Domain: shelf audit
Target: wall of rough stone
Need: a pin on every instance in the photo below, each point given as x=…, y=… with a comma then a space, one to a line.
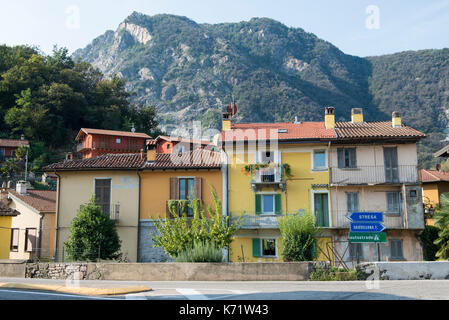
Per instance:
x=419, y=270
x=148, y=253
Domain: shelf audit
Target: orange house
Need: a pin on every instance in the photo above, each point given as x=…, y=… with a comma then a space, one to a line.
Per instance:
x=165, y=144
x=96, y=142
x=8, y=147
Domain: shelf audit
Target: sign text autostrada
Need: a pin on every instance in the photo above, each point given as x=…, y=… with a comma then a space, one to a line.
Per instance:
x=367, y=227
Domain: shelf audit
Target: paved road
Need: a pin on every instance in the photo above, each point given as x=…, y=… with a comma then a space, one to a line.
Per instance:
x=257, y=290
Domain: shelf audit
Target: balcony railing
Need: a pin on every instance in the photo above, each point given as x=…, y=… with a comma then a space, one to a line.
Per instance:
x=340, y=220
x=270, y=176
x=103, y=145
x=374, y=175
x=257, y=222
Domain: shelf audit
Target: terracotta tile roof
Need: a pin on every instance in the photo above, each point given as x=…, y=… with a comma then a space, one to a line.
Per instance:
x=112, y=133
x=283, y=131
x=181, y=139
x=433, y=175
x=13, y=143
x=5, y=211
x=376, y=129
x=107, y=161
x=198, y=158
x=41, y=200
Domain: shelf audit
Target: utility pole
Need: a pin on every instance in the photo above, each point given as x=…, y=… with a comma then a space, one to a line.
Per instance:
x=26, y=165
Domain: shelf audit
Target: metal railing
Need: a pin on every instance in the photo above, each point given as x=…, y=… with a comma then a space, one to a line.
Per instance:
x=273, y=174
x=374, y=175
x=257, y=221
x=391, y=221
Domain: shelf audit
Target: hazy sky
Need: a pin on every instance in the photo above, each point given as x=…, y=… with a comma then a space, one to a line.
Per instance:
x=357, y=27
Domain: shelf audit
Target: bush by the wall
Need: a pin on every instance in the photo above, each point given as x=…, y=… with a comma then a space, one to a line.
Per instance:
x=428, y=237
x=201, y=252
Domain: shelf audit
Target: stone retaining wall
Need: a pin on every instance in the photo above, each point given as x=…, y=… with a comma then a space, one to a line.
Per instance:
x=415, y=270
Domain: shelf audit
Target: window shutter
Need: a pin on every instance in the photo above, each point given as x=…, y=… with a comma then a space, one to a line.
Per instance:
x=256, y=247
x=258, y=204
x=197, y=184
x=277, y=203
x=341, y=157
x=173, y=188
x=353, y=158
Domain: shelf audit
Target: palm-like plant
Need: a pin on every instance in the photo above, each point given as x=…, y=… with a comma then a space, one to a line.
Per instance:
x=442, y=221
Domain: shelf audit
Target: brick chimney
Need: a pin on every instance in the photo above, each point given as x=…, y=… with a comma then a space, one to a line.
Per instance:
x=356, y=115
x=396, y=120
x=329, y=117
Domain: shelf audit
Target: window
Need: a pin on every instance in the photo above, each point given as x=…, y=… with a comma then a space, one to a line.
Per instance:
x=268, y=247
x=347, y=158
x=186, y=190
x=132, y=144
x=118, y=140
x=268, y=203
x=14, y=240
x=319, y=159
x=103, y=194
x=413, y=193
x=355, y=251
x=321, y=209
x=396, y=249
x=30, y=239
x=352, y=202
x=394, y=202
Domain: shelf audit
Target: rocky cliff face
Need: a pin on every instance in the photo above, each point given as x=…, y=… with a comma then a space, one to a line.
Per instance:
x=190, y=71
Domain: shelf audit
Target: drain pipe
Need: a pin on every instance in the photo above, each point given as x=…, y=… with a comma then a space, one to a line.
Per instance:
x=224, y=190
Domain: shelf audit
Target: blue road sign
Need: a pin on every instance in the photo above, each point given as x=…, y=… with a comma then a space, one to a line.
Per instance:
x=366, y=227
x=366, y=217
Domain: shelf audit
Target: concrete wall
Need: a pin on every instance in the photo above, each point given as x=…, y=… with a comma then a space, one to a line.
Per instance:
x=287, y=271
x=12, y=268
x=76, y=188
x=146, y=252
x=436, y=270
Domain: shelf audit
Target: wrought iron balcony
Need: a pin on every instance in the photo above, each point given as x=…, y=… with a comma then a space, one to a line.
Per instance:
x=391, y=221
x=257, y=221
x=272, y=176
x=372, y=175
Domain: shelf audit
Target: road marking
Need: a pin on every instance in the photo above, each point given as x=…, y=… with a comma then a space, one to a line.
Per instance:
x=135, y=296
x=192, y=294
x=57, y=294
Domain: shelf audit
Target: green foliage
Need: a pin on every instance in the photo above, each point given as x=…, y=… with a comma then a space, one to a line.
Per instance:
x=200, y=252
x=428, y=237
x=333, y=274
x=298, y=236
x=93, y=235
x=175, y=235
x=442, y=222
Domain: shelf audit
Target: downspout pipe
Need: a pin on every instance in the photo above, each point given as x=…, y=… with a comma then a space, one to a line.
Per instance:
x=224, y=187
x=58, y=201
x=138, y=217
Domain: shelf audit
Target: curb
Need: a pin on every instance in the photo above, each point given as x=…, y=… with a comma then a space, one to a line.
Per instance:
x=76, y=290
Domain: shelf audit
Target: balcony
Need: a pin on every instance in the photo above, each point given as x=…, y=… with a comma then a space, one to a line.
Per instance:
x=80, y=146
x=271, y=176
x=374, y=175
x=257, y=222
x=340, y=220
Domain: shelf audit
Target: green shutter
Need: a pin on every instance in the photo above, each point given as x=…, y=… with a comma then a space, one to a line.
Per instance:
x=258, y=204
x=256, y=247
x=277, y=203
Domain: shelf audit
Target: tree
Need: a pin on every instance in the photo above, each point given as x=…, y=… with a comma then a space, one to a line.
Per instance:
x=442, y=221
x=298, y=237
x=428, y=237
x=92, y=235
x=178, y=234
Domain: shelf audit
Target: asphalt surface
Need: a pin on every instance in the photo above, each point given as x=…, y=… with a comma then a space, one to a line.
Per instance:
x=254, y=290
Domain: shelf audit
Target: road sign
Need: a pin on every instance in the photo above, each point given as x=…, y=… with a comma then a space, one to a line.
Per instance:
x=366, y=227
x=366, y=217
x=364, y=237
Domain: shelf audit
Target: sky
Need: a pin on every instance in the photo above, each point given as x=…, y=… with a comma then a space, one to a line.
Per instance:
x=357, y=27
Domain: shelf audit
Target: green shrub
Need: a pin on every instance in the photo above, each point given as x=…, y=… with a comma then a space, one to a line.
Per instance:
x=442, y=221
x=298, y=237
x=201, y=252
x=428, y=237
x=333, y=274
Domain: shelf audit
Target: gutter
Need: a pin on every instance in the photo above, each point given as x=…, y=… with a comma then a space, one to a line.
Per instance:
x=225, y=190
x=57, y=218
x=138, y=218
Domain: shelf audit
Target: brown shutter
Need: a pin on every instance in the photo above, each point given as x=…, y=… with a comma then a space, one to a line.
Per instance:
x=173, y=188
x=198, y=188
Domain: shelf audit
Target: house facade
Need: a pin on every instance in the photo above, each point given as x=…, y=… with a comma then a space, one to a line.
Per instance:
x=33, y=231
x=114, y=180
x=274, y=170
x=8, y=147
x=6, y=216
x=373, y=167
x=96, y=142
x=434, y=184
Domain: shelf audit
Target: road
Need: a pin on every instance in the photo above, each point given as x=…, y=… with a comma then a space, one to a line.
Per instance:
x=254, y=290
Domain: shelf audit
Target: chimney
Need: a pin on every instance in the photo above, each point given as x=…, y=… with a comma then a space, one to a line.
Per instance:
x=4, y=193
x=227, y=121
x=22, y=137
x=396, y=120
x=329, y=117
x=142, y=154
x=21, y=187
x=69, y=156
x=151, y=153
x=356, y=115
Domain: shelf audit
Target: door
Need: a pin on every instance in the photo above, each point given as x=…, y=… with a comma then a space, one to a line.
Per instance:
x=321, y=208
x=391, y=165
x=324, y=249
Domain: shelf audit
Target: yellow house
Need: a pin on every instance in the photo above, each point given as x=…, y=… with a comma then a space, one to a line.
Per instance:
x=173, y=176
x=274, y=169
x=434, y=184
x=115, y=181
x=6, y=215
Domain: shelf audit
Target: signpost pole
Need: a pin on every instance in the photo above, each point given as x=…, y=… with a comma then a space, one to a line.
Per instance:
x=378, y=252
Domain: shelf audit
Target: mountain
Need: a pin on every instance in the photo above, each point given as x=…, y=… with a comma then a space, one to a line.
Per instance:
x=190, y=71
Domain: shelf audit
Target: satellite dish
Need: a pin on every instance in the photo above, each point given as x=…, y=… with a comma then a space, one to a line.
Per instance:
x=232, y=108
